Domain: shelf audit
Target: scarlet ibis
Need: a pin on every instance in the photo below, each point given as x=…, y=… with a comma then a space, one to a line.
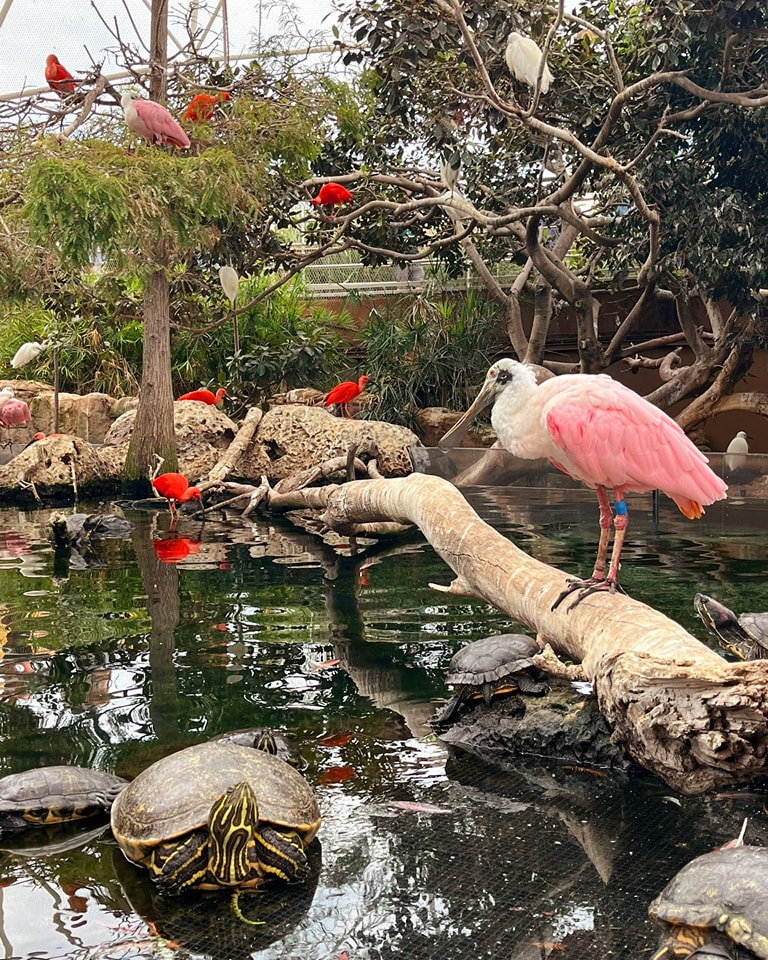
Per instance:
x=332, y=194
x=176, y=489
x=58, y=77
x=344, y=392
x=523, y=58
x=14, y=413
x=602, y=433
x=202, y=106
x=152, y=121
x=205, y=396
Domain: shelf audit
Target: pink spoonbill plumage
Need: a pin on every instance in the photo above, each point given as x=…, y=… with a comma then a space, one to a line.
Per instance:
x=599, y=432
x=14, y=413
x=152, y=122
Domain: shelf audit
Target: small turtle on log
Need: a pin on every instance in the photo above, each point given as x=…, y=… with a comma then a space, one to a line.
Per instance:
x=490, y=667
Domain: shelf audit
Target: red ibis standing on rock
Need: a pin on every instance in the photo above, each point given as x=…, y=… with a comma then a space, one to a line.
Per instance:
x=176, y=489
x=152, y=122
x=205, y=396
x=59, y=78
x=600, y=432
x=343, y=393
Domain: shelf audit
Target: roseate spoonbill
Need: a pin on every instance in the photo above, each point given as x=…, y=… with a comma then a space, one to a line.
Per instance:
x=203, y=106
x=205, y=396
x=345, y=392
x=176, y=489
x=736, y=451
x=59, y=78
x=523, y=58
x=25, y=353
x=152, y=121
x=14, y=413
x=602, y=433
x=331, y=194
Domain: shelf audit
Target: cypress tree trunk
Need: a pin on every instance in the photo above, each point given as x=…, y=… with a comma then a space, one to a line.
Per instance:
x=153, y=432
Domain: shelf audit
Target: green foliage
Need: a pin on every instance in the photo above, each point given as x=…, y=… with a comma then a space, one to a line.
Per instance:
x=136, y=209
x=431, y=352
x=284, y=342
x=74, y=207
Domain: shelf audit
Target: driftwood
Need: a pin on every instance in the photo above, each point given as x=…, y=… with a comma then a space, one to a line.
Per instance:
x=676, y=707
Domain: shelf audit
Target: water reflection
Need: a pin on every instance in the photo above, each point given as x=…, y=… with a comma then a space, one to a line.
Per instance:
x=425, y=853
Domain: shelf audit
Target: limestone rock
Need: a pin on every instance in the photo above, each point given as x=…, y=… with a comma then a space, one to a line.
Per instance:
x=53, y=467
x=203, y=433
x=433, y=422
x=291, y=438
x=89, y=416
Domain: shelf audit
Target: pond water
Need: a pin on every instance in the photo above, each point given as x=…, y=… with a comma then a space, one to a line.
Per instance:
x=117, y=659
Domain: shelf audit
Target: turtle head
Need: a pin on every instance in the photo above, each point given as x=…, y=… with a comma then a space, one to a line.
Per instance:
x=232, y=823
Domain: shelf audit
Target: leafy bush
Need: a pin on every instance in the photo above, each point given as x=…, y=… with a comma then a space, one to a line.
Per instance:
x=433, y=354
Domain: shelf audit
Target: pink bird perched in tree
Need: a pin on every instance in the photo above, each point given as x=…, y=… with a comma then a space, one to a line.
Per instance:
x=152, y=121
x=345, y=392
x=205, y=396
x=602, y=433
x=331, y=194
x=59, y=78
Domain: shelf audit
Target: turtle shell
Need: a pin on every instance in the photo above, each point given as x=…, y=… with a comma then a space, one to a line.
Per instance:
x=55, y=795
x=252, y=737
x=721, y=891
x=174, y=796
x=492, y=659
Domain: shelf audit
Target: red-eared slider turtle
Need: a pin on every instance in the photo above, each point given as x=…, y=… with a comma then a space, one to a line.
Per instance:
x=38, y=798
x=746, y=637
x=217, y=815
x=264, y=738
x=489, y=667
x=715, y=905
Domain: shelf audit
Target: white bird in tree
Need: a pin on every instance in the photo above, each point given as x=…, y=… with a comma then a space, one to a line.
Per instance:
x=26, y=353
x=450, y=168
x=523, y=58
x=736, y=452
x=230, y=283
x=600, y=432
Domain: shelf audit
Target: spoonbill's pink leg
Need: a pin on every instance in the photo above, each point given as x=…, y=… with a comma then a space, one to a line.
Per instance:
x=599, y=581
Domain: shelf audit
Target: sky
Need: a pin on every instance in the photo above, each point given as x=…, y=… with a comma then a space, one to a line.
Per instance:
x=34, y=28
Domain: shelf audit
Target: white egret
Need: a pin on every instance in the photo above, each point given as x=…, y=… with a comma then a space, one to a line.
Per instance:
x=523, y=58
x=450, y=168
x=230, y=283
x=736, y=451
x=25, y=353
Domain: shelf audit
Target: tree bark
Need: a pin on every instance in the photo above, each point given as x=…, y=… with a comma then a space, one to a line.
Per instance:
x=677, y=707
x=153, y=433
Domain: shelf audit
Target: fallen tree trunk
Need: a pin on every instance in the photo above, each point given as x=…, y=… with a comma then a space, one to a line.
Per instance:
x=677, y=707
